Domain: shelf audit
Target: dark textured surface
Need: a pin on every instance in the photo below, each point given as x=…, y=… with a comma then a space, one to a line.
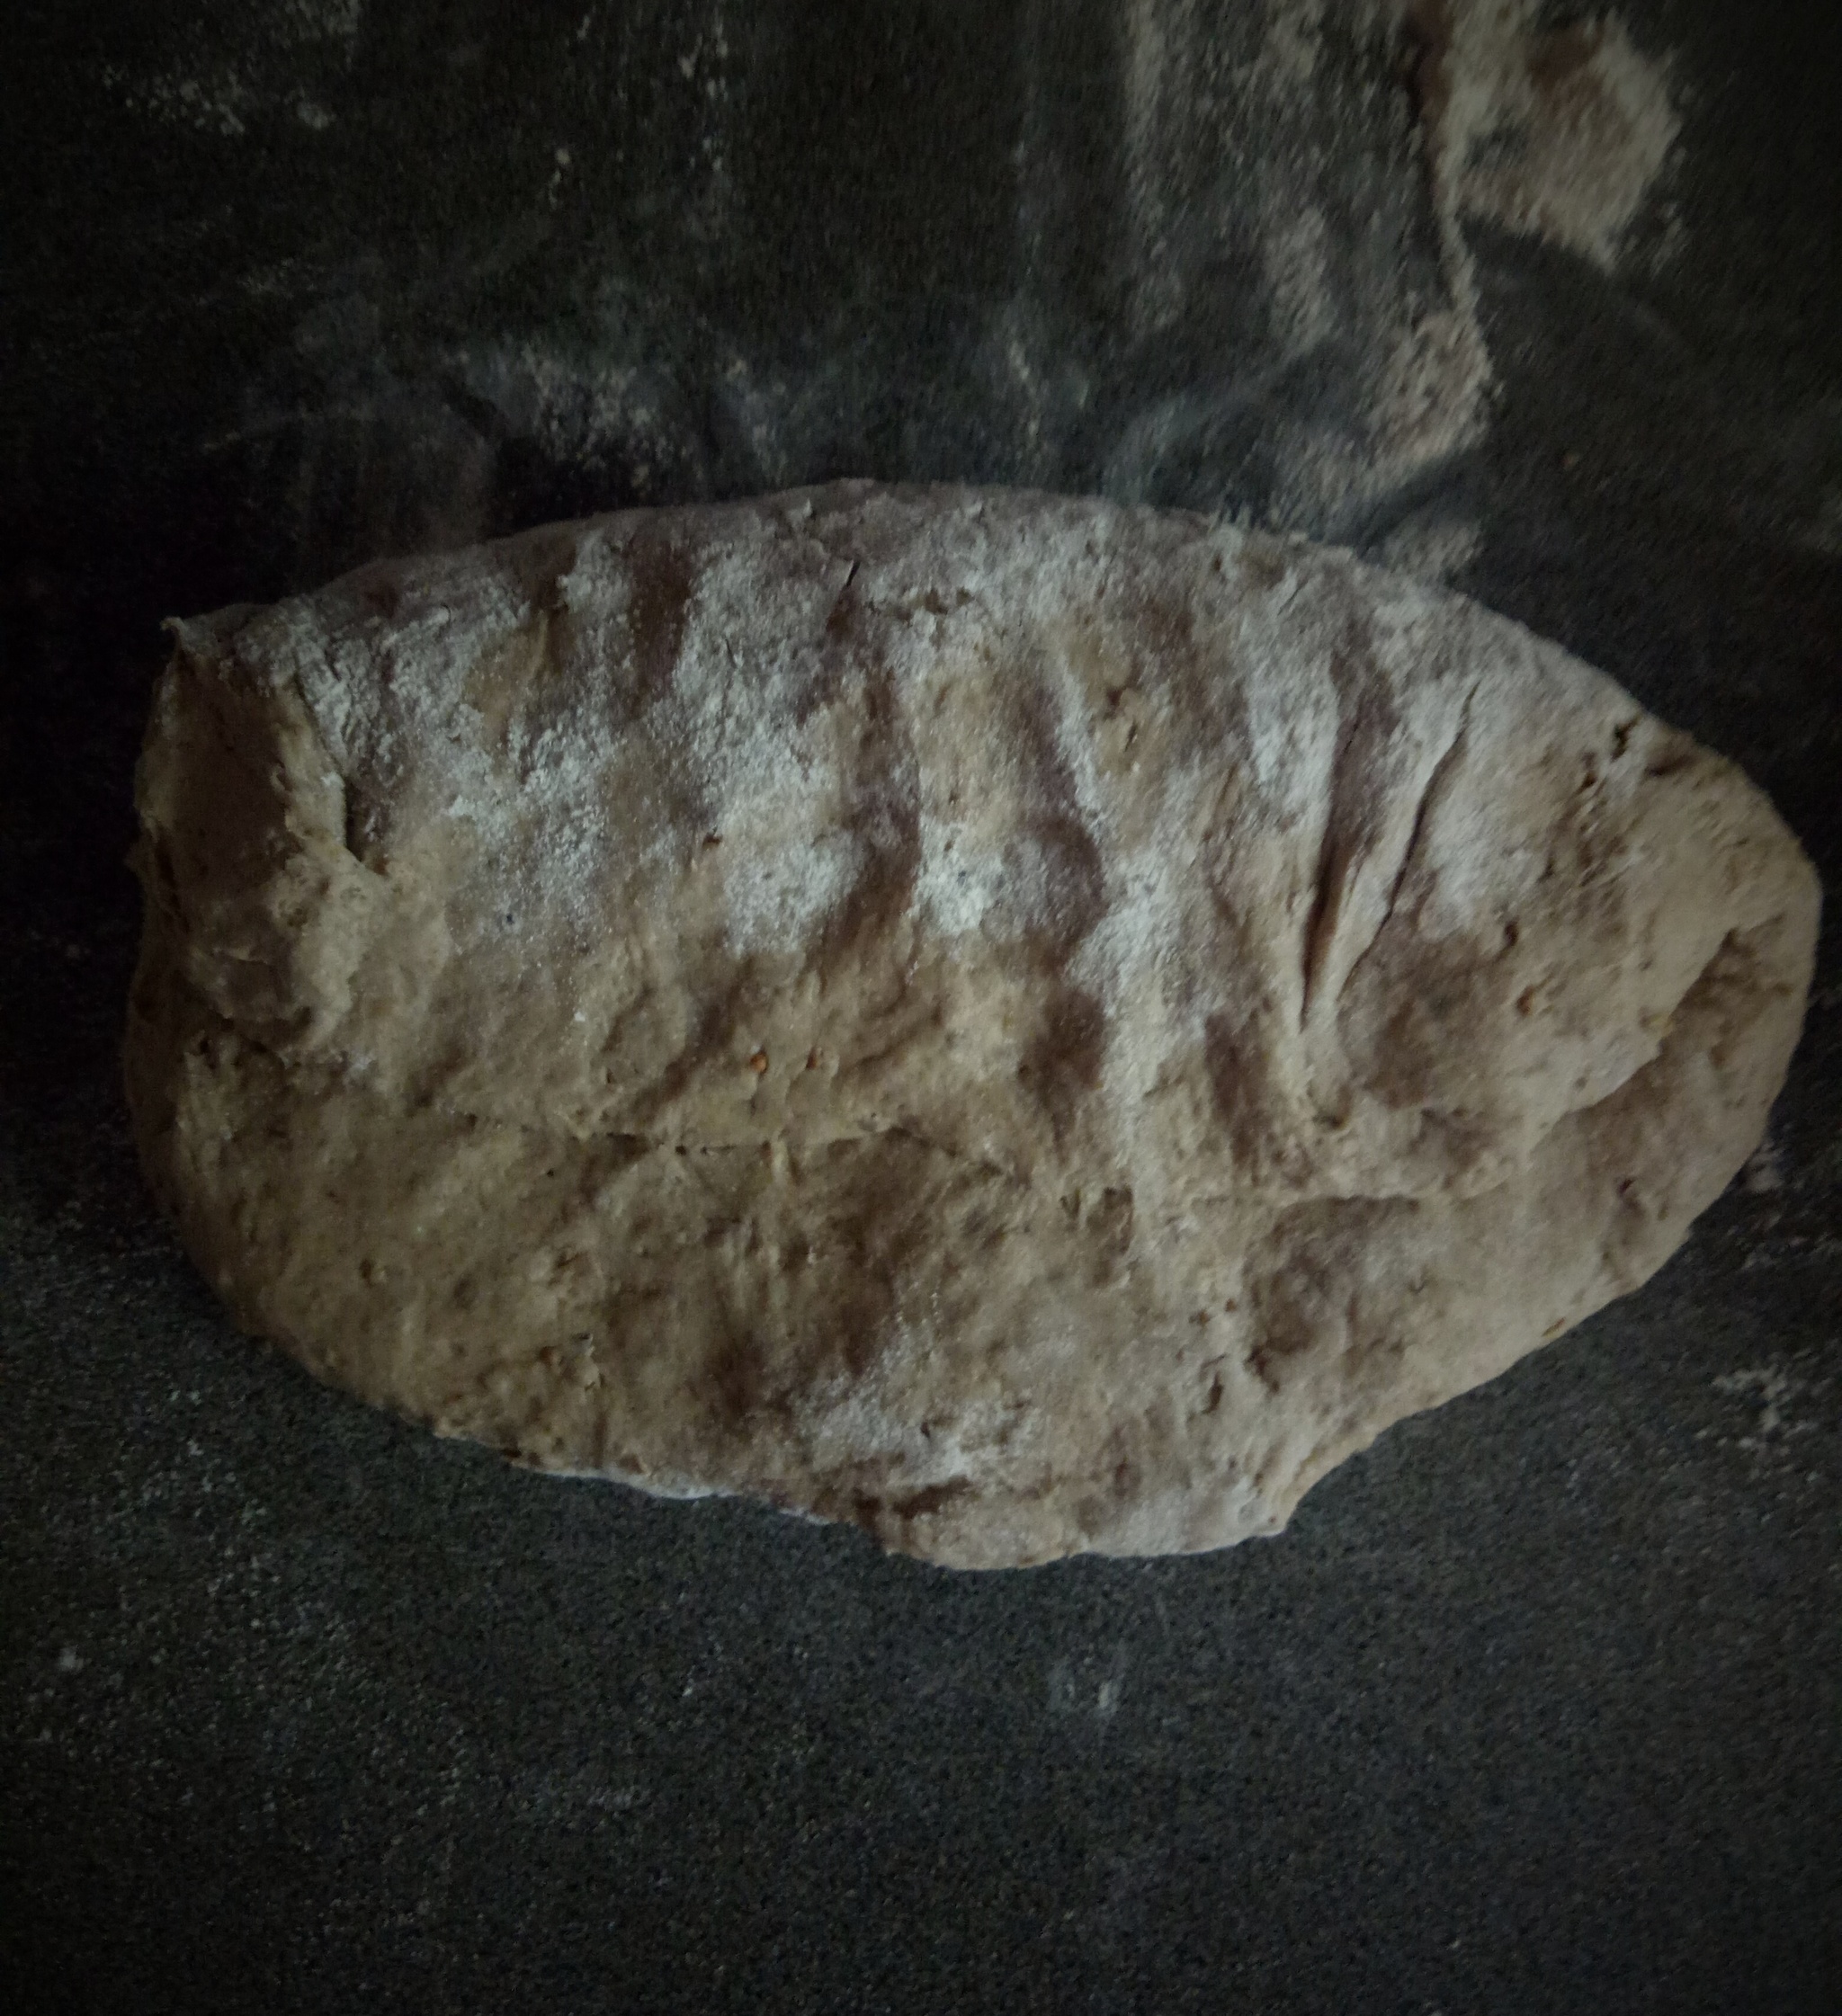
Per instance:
x=1538, y=1705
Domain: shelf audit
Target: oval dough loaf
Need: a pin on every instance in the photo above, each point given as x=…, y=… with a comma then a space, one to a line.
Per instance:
x=1030, y=1025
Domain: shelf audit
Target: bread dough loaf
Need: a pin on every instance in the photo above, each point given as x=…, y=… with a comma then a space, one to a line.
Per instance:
x=1028, y=1024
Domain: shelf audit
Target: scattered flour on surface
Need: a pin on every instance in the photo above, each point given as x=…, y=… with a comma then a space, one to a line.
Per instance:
x=248, y=78
x=1559, y=132
x=1779, y=1400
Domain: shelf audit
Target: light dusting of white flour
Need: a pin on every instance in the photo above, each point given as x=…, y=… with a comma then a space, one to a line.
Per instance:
x=1239, y=118
x=774, y=801
x=1559, y=132
x=487, y=696
x=776, y=900
x=842, y=1419
x=1781, y=1407
x=557, y=822
x=396, y=700
x=218, y=101
x=965, y=887
x=249, y=73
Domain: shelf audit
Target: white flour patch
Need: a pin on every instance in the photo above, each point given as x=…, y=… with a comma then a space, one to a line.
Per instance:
x=1784, y=1408
x=1237, y=118
x=1087, y=1687
x=536, y=803
x=775, y=898
x=1562, y=133
x=298, y=22
x=219, y=101
x=575, y=409
x=252, y=74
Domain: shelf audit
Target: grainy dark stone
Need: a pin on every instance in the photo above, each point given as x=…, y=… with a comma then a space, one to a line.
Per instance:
x=1537, y=1707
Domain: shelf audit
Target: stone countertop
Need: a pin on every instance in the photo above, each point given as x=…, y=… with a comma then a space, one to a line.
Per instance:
x=1538, y=1705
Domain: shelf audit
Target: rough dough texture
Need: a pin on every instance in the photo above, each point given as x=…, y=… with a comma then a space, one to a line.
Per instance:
x=1031, y=1025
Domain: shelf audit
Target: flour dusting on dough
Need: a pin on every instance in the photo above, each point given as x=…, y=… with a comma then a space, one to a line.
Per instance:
x=1027, y=1024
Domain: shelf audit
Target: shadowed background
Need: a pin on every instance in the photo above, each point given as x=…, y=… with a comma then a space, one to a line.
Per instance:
x=1538, y=1705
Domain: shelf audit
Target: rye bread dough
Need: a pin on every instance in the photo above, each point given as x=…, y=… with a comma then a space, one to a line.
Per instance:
x=1031, y=1025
